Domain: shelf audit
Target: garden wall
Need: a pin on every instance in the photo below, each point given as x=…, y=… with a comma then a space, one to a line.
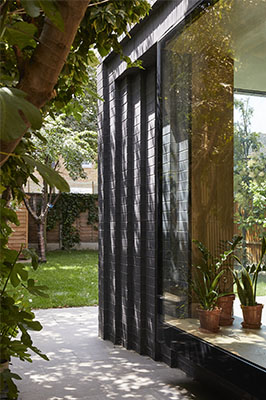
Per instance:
x=20, y=233
x=88, y=233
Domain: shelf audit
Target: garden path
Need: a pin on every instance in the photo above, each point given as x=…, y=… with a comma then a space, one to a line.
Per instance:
x=84, y=367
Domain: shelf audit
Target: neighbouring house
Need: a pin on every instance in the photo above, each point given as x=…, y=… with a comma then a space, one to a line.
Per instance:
x=167, y=162
x=88, y=185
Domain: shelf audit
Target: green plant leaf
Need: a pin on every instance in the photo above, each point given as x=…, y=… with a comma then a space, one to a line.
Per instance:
x=215, y=282
x=37, y=290
x=240, y=290
x=33, y=325
x=263, y=247
x=25, y=337
x=51, y=10
x=94, y=94
x=18, y=273
x=9, y=214
x=248, y=287
x=31, y=7
x=12, y=106
x=21, y=34
x=31, y=253
x=6, y=378
x=37, y=351
x=49, y=175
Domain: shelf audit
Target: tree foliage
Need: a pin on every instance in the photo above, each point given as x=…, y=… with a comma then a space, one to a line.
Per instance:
x=23, y=27
x=45, y=49
x=249, y=173
x=63, y=144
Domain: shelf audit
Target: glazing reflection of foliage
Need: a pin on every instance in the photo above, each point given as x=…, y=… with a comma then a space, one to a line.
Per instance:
x=197, y=141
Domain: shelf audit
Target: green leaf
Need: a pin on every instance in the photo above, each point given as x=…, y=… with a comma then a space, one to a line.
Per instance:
x=39, y=136
x=31, y=253
x=25, y=337
x=12, y=106
x=49, y=175
x=103, y=51
x=33, y=325
x=263, y=247
x=7, y=379
x=31, y=7
x=18, y=273
x=21, y=34
x=240, y=290
x=37, y=351
x=8, y=213
x=216, y=280
x=37, y=290
x=50, y=9
x=94, y=94
x=248, y=287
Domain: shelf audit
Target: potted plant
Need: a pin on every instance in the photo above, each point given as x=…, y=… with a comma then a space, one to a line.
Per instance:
x=206, y=286
x=246, y=283
x=206, y=292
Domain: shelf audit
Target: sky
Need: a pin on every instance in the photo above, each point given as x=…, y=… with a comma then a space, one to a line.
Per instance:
x=258, y=103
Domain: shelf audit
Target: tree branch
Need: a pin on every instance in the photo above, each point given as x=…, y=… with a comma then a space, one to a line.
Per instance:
x=30, y=210
x=44, y=199
x=20, y=59
x=41, y=73
x=53, y=203
x=98, y=3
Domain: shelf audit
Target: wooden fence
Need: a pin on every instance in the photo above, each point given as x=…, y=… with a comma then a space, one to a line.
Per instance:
x=88, y=233
x=20, y=233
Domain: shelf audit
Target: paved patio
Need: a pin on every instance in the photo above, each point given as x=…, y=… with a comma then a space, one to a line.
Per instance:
x=82, y=366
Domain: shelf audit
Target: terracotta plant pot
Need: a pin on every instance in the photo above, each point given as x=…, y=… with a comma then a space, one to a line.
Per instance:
x=226, y=304
x=209, y=320
x=252, y=316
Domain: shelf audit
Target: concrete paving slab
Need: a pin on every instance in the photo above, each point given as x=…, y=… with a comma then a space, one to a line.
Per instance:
x=84, y=367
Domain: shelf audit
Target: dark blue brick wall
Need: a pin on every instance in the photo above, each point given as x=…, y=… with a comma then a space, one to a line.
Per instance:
x=127, y=171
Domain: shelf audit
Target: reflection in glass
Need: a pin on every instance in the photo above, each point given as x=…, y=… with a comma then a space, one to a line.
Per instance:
x=213, y=185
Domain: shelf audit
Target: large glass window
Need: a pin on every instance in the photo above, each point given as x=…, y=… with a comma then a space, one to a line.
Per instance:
x=213, y=144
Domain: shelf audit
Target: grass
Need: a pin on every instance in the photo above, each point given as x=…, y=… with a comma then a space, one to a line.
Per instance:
x=261, y=288
x=72, y=279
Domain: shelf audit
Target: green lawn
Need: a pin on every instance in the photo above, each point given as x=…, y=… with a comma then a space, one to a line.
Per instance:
x=72, y=279
x=261, y=288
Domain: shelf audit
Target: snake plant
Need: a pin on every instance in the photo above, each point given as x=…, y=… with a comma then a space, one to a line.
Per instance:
x=247, y=278
x=206, y=281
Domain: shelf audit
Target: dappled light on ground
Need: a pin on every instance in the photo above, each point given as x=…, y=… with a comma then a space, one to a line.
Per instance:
x=84, y=367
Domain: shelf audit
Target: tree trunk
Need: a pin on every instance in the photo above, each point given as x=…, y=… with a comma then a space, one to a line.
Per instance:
x=41, y=242
x=41, y=73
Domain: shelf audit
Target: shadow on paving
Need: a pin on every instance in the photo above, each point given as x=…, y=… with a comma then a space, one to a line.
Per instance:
x=82, y=366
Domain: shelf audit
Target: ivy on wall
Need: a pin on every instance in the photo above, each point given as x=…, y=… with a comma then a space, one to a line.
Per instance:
x=67, y=209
